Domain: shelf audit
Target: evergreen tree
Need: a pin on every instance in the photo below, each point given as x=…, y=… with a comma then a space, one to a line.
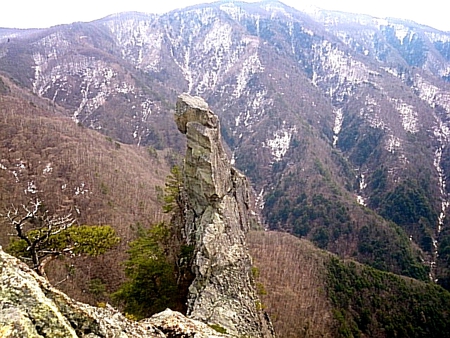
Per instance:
x=151, y=285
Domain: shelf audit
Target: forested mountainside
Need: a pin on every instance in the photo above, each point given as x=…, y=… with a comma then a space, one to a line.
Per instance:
x=339, y=120
x=73, y=169
x=310, y=293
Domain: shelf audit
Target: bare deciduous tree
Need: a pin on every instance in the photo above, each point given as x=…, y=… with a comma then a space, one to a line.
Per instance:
x=37, y=228
x=40, y=237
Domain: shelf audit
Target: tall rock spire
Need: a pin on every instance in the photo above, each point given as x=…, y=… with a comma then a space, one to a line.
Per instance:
x=217, y=216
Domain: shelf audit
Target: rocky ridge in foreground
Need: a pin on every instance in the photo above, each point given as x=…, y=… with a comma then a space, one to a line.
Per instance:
x=31, y=307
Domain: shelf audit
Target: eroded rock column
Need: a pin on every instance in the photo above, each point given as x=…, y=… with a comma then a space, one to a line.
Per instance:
x=217, y=216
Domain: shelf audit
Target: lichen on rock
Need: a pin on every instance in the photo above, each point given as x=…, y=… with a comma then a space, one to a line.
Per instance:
x=217, y=217
x=31, y=308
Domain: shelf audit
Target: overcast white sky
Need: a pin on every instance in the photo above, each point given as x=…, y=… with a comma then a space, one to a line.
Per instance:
x=46, y=13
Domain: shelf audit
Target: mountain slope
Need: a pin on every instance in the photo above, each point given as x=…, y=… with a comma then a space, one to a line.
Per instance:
x=340, y=120
x=74, y=169
x=310, y=293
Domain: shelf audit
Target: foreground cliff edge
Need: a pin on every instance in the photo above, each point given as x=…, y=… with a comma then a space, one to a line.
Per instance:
x=217, y=215
x=31, y=307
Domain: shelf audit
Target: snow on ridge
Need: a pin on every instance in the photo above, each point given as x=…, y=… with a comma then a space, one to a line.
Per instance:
x=235, y=12
x=438, y=37
x=401, y=32
x=54, y=42
x=206, y=15
x=381, y=22
x=275, y=9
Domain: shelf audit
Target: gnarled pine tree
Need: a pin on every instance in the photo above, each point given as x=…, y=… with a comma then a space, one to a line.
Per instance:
x=40, y=237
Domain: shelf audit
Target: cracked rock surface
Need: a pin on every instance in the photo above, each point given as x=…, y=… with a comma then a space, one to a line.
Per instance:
x=31, y=308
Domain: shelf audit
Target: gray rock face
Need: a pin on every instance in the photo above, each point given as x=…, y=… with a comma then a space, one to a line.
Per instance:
x=217, y=217
x=31, y=308
x=174, y=324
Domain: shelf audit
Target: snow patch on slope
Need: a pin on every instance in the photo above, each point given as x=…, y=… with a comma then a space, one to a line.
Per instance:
x=81, y=190
x=337, y=70
x=362, y=185
x=48, y=169
x=39, y=62
x=218, y=39
x=138, y=41
x=279, y=143
x=260, y=200
x=393, y=143
x=31, y=188
x=408, y=115
x=401, y=32
x=370, y=112
x=339, y=118
x=95, y=89
x=217, y=44
x=235, y=12
x=442, y=186
x=431, y=94
x=255, y=108
x=251, y=65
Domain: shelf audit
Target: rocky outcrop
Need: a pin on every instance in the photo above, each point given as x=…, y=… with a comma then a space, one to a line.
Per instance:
x=174, y=324
x=30, y=307
x=217, y=217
